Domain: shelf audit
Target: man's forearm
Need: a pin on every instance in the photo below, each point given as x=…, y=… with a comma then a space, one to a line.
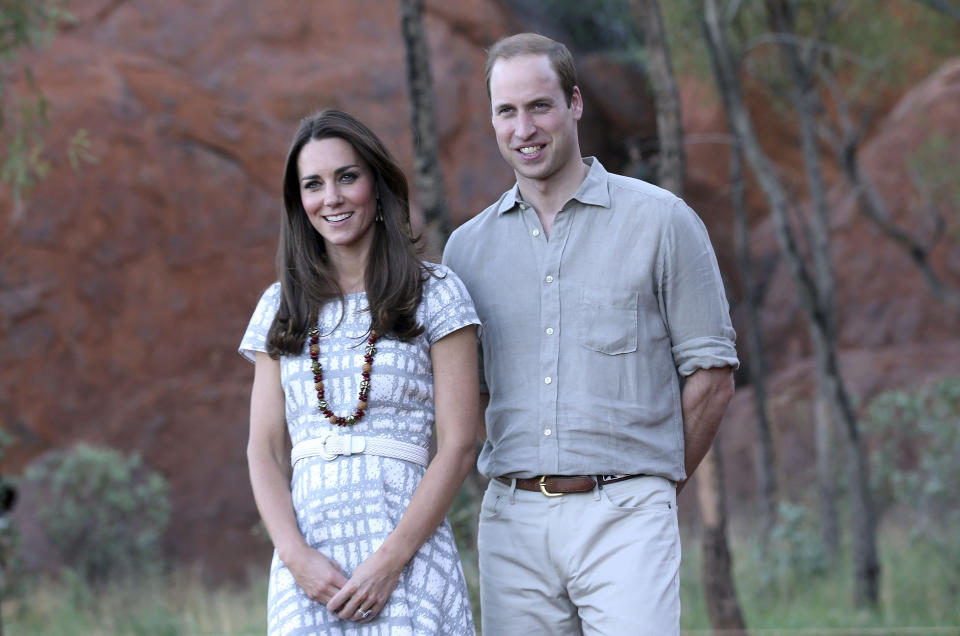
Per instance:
x=704, y=400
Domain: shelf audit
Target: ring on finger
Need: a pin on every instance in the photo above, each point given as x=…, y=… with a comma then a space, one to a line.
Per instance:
x=364, y=613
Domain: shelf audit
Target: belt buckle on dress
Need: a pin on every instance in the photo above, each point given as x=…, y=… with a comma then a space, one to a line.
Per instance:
x=543, y=488
x=345, y=445
x=324, y=453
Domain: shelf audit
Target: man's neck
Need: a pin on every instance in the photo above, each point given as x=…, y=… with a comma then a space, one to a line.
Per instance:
x=547, y=196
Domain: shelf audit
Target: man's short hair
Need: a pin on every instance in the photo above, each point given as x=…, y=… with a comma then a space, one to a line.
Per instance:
x=536, y=44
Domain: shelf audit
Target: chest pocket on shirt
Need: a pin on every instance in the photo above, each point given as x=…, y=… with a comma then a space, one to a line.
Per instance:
x=608, y=319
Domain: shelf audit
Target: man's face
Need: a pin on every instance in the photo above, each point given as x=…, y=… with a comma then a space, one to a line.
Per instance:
x=536, y=130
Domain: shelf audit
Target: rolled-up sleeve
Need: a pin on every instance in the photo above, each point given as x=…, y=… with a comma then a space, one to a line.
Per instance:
x=693, y=300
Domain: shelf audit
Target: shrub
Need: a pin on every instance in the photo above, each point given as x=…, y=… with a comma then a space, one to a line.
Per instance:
x=916, y=464
x=104, y=512
x=794, y=553
x=9, y=537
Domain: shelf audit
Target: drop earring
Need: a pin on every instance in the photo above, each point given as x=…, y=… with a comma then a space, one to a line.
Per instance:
x=379, y=217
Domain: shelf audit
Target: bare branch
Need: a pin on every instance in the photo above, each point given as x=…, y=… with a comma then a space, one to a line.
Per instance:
x=872, y=204
x=780, y=39
x=943, y=7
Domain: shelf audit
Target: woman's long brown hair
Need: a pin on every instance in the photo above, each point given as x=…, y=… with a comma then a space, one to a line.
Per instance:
x=394, y=274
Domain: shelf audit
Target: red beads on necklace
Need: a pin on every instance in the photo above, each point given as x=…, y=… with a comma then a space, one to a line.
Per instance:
x=324, y=408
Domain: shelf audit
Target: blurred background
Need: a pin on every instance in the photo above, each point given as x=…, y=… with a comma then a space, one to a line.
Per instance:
x=141, y=149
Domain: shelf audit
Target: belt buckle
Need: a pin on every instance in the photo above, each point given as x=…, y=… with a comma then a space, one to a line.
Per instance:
x=324, y=453
x=543, y=488
x=345, y=445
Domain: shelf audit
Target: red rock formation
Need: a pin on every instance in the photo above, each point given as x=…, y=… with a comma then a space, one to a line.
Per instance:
x=125, y=287
x=892, y=331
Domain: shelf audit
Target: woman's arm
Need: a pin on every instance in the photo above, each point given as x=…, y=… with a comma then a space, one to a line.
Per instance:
x=318, y=576
x=455, y=395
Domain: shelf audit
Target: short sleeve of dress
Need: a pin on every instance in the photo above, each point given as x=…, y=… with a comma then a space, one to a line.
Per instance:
x=447, y=304
x=255, y=338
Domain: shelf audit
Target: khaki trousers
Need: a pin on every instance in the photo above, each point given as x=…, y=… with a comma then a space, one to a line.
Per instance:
x=606, y=562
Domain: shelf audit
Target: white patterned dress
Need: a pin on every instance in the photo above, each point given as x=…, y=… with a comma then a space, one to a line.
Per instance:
x=346, y=507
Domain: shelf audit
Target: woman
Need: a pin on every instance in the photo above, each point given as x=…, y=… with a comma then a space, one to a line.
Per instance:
x=359, y=350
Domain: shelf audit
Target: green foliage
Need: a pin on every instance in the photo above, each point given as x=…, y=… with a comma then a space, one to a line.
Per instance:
x=28, y=23
x=78, y=149
x=463, y=518
x=9, y=537
x=871, y=44
x=794, y=553
x=916, y=464
x=24, y=24
x=688, y=51
x=103, y=511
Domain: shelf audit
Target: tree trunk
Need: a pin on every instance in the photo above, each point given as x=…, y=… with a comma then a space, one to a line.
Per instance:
x=722, y=606
x=671, y=162
x=765, y=462
x=827, y=491
x=866, y=566
x=426, y=158
x=807, y=106
x=718, y=588
x=831, y=388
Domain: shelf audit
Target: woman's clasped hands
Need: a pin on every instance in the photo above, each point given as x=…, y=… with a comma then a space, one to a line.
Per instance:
x=369, y=588
x=359, y=598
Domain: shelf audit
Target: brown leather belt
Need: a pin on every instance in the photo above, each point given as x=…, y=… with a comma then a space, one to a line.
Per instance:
x=556, y=485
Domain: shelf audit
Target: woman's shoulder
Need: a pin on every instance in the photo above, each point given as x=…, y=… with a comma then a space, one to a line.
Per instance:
x=439, y=281
x=436, y=275
x=271, y=294
x=272, y=290
x=269, y=299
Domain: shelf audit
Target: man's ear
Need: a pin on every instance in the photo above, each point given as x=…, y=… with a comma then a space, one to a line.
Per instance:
x=576, y=103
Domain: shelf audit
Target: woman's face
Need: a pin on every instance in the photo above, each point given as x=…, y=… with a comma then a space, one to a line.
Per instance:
x=337, y=191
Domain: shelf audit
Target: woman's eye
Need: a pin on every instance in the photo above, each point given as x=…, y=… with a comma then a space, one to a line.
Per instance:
x=348, y=177
x=311, y=185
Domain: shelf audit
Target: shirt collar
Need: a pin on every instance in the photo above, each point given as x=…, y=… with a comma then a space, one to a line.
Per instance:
x=593, y=191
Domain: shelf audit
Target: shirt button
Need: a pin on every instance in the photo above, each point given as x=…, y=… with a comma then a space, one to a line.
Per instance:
x=549, y=279
x=549, y=331
x=547, y=431
x=536, y=232
x=547, y=380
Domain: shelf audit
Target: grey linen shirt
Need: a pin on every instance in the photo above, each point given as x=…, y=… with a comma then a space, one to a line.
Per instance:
x=584, y=336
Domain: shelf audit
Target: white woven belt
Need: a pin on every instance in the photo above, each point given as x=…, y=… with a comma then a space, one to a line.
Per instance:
x=332, y=446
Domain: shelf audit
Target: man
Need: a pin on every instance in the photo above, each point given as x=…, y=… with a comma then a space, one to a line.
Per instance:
x=597, y=293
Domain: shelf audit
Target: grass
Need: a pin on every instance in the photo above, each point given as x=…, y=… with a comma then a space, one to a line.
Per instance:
x=919, y=592
x=920, y=586
x=159, y=605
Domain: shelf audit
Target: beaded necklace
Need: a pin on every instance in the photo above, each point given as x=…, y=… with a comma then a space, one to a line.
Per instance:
x=324, y=408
